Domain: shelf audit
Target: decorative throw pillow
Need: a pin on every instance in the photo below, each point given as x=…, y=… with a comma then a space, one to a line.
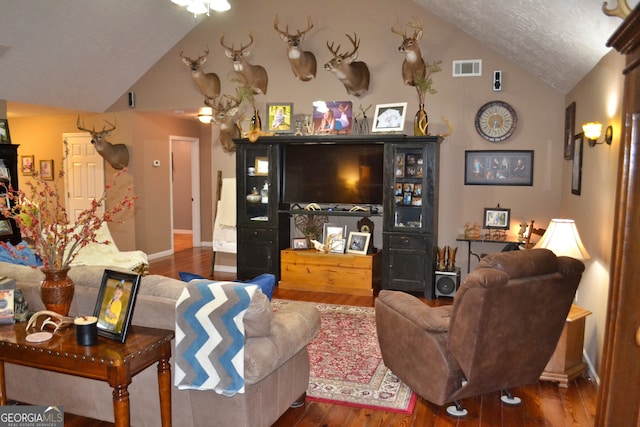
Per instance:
x=266, y=282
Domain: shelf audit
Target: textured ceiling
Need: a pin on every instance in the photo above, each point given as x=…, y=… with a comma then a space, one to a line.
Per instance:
x=54, y=52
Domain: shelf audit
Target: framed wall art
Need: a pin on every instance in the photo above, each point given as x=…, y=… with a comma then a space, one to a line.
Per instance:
x=569, y=130
x=5, y=136
x=496, y=167
x=389, y=117
x=46, y=169
x=358, y=243
x=280, y=117
x=116, y=300
x=333, y=232
x=576, y=167
x=26, y=164
x=496, y=218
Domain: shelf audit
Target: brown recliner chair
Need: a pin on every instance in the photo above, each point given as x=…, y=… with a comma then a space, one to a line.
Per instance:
x=500, y=332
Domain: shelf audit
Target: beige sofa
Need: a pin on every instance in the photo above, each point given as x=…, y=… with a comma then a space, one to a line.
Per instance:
x=276, y=363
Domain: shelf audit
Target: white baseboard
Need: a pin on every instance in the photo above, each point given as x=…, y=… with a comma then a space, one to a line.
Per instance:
x=226, y=268
x=157, y=255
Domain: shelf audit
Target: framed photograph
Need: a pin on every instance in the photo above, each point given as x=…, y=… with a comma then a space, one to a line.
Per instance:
x=5, y=175
x=569, y=130
x=576, y=167
x=26, y=164
x=399, y=165
x=332, y=232
x=332, y=117
x=5, y=228
x=496, y=218
x=498, y=167
x=5, y=137
x=358, y=242
x=262, y=166
x=389, y=117
x=299, y=243
x=337, y=246
x=114, y=308
x=280, y=117
x=46, y=169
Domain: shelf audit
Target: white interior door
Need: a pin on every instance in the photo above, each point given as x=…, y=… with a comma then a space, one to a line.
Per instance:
x=84, y=178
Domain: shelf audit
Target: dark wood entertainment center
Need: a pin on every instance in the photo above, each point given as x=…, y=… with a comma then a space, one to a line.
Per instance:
x=409, y=209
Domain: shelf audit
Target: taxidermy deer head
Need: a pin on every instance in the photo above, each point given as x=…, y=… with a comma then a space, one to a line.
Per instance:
x=353, y=74
x=117, y=155
x=225, y=109
x=303, y=63
x=413, y=65
x=208, y=83
x=252, y=75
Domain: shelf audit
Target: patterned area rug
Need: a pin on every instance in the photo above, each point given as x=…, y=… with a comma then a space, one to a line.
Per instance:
x=346, y=365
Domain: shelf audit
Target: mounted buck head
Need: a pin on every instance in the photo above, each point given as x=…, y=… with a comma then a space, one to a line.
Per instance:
x=225, y=109
x=208, y=83
x=413, y=65
x=303, y=63
x=252, y=75
x=117, y=155
x=353, y=74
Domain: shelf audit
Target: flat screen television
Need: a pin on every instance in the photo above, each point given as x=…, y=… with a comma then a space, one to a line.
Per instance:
x=334, y=174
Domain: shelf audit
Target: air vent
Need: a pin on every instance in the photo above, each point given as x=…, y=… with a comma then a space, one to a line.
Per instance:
x=467, y=68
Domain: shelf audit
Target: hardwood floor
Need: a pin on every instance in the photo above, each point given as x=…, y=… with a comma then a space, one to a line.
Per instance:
x=543, y=403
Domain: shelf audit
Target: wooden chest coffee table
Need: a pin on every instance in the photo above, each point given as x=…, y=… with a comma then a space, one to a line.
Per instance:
x=109, y=361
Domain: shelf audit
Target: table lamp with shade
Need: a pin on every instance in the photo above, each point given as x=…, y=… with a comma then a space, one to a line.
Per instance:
x=563, y=239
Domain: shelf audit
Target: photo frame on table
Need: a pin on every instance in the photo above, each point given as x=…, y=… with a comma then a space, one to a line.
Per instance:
x=336, y=246
x=280, y=117
x=299, y=243
x=358, y=242
x=333, y=232
x=5, y=136
x=46, y=170
x=116, y=300
x=332, y=117
x=496, y=218
x=498, y=167
x=576, y=167
x=27, y=164
x=569, y=130
x=5, y=227
x=389, y=117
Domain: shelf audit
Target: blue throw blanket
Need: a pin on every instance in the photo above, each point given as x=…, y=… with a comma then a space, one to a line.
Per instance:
x=210, y=336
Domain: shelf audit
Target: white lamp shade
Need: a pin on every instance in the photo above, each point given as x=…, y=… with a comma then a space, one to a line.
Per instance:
x=563, y=239
x=197, y=7
x=205, y=114
x=219, y=5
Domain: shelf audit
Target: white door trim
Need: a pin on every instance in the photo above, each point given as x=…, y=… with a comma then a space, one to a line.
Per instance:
x=195, y=187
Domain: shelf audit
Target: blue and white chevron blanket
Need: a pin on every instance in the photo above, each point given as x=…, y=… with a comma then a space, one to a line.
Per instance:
x=210, y=336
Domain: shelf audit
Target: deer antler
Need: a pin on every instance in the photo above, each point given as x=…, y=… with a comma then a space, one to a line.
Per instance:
x=622, y=10
x=398, y=32
x=416, y=25
x=63, y=321
x=224, y=45
x=356, y=44
x=309, y=26
x=83, y=128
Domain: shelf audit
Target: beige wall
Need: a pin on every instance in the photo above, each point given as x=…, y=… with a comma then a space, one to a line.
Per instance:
x=598, y=97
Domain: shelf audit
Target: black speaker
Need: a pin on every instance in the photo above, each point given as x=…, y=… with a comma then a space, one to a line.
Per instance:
x=447, y=283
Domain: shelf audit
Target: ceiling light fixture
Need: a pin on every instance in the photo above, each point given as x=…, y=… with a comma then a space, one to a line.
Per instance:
x=205, y=114
x=198, y=7
x=593, y=130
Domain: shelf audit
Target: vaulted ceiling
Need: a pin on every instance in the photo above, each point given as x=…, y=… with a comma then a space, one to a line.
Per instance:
x=52, y=53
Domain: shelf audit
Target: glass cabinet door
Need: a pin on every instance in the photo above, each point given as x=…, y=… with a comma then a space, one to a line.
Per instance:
x=407, y=207
x=256, y=185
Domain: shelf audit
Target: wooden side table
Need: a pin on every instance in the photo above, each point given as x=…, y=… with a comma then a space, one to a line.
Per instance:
x=109, y=361
x=566, y=362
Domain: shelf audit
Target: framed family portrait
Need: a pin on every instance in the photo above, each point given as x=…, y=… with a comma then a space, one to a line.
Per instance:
x=332, y=117
x=116, y=300
x=496, y=167
x=358, y=242
x=576, y=167
x=496, y=218
x=299, y=243
x=280, y=117
x=46, y=169
x=389, y=117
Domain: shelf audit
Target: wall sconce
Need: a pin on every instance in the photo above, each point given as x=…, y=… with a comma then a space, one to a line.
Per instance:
x=205, y=114
x=593, y=130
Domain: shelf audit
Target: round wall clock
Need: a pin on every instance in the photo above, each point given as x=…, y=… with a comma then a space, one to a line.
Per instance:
x=496, y=121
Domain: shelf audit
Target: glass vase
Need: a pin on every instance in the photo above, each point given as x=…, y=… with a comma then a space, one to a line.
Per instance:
x=56, y=290
x=421, y=122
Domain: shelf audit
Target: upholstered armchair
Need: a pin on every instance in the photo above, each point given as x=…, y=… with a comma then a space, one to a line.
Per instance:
x=499, y=333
